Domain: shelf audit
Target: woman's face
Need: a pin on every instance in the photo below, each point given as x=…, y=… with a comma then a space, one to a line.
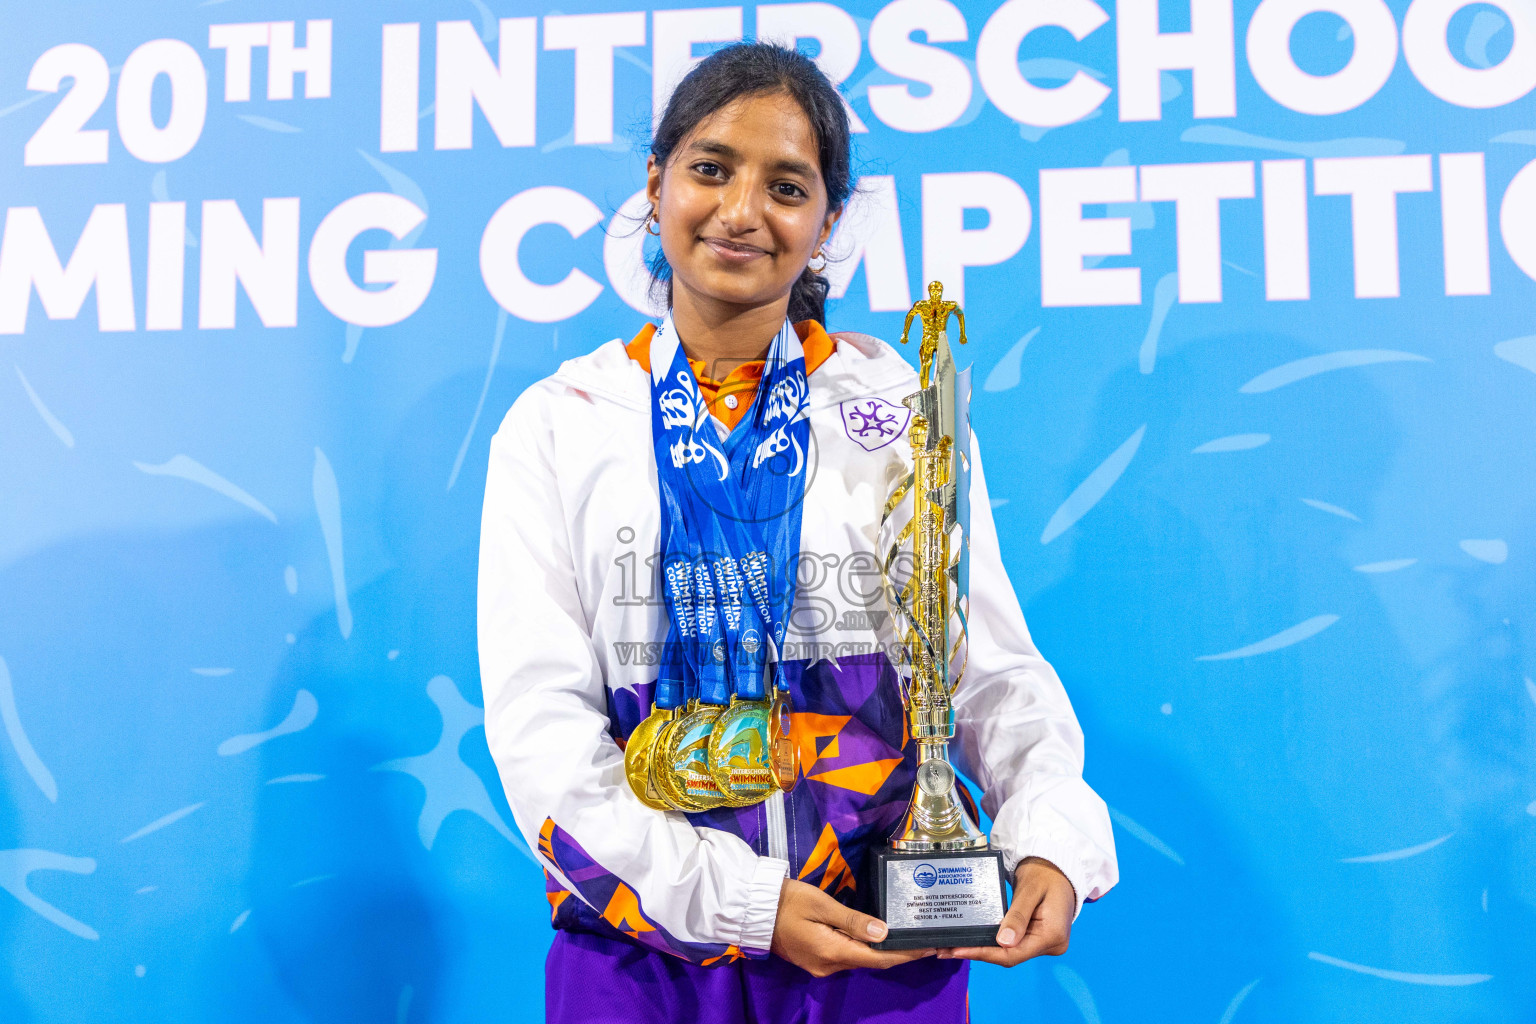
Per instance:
x=741, y=203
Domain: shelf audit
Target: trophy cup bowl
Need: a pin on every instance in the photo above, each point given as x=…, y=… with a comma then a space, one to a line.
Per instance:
x=938, y=883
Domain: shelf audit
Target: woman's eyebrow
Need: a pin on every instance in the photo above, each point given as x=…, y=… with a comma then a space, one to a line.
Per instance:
x=715, y=147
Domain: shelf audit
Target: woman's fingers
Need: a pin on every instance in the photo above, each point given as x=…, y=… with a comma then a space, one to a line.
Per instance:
x=822, y=950
x=850, y=922
x=844, y=952
x=831, y=937
x=1015, y=927
x=853, y=933
x=1043, y=939
x=1038, y=923
x=1015, y=943
x=1047, y=936
x=821, y=935
x=986, y=954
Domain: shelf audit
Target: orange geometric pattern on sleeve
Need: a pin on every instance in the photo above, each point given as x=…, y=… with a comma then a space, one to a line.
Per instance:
x=730, y=956
x=623, y=912
x=546, y=840
x=606, y=904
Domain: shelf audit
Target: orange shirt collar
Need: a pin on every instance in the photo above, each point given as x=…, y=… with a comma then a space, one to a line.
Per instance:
x=729, y=400
x=818, y=345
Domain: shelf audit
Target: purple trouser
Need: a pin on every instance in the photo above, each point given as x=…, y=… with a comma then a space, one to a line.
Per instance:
x=592, y=979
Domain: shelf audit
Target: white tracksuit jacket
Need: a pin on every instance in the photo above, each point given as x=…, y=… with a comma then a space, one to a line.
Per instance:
x=571, y=623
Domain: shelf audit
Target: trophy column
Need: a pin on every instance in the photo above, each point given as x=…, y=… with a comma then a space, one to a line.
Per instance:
x=938, y=883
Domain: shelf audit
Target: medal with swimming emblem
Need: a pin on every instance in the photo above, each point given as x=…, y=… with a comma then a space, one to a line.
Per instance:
x=681, y=768
x=738, y=753
x=639, y=755
x=660, y=775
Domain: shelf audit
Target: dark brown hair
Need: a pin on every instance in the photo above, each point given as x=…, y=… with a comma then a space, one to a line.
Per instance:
x=753, y=69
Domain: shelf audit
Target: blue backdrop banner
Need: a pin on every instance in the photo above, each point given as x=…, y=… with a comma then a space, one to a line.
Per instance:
x=1249, y=288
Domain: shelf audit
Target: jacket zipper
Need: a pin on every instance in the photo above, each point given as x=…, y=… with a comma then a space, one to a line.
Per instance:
x=778, y=832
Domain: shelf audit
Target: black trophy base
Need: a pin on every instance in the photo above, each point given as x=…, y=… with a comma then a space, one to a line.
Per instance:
x=939, y=900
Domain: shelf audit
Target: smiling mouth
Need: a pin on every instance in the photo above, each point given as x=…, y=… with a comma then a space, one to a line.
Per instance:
x=734, y=250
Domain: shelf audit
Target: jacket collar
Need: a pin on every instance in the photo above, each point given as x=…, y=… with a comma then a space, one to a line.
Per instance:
x=860, y=365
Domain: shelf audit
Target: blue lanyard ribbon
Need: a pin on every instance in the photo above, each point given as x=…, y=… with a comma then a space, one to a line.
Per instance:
x=730, y=522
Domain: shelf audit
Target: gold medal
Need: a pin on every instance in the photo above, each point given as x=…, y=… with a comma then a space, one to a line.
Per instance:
x=738, y=753
x=661, y=774
x=659, y=777
x=680, y=768
x=639, y=754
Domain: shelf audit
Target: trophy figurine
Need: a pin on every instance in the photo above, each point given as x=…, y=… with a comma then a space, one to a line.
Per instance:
x=938, y=883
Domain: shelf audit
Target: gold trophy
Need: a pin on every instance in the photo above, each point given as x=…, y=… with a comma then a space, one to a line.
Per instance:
x=938, y=883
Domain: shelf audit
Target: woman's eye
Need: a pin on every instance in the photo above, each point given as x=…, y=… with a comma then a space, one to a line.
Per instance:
x=789, y=189
x=707, y=169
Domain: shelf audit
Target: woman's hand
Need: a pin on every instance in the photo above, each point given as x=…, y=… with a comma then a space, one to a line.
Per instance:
x=820, y=935
x=1039, y=921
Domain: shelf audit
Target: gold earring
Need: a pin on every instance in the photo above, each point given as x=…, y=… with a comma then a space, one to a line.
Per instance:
x=817, y=256
x=653, y=219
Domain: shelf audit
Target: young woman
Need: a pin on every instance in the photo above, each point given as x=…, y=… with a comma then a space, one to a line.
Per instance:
x=747, y=913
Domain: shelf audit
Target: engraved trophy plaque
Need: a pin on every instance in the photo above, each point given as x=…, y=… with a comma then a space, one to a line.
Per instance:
x=938, y=883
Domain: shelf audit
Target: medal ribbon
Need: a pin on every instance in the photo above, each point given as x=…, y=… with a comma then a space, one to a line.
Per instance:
x=730, y=521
